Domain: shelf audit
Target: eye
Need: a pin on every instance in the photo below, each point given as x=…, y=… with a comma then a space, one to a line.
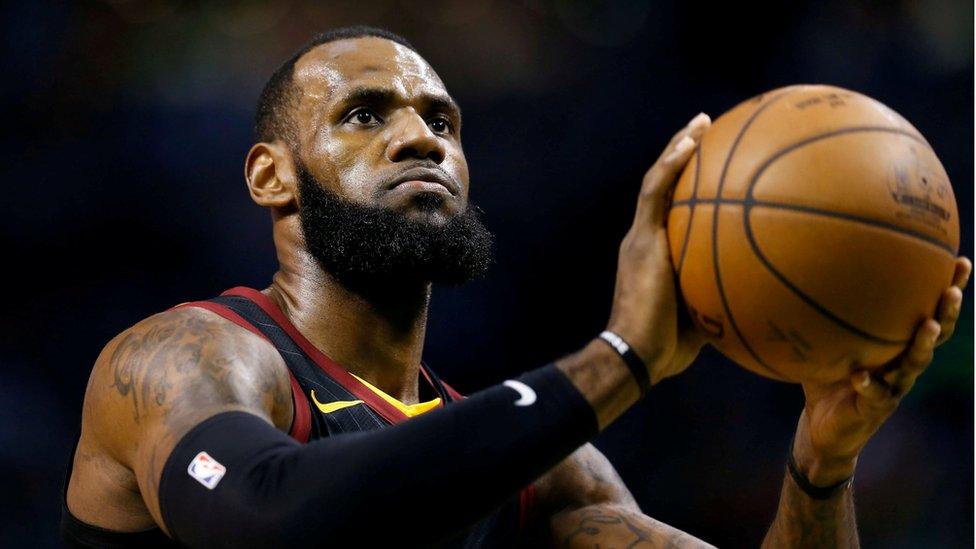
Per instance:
x=363, y=117
x=440, y=125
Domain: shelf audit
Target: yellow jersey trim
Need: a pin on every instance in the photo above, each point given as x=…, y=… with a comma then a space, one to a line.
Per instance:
x=329, y=407
x=409, y=410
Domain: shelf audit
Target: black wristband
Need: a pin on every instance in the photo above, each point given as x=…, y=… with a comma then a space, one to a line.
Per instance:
x=634, y=363
x=809, y=488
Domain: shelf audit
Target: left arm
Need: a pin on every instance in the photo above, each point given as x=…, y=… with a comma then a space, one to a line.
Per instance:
x=584, y=503
x=837, y=422
x=803, y=521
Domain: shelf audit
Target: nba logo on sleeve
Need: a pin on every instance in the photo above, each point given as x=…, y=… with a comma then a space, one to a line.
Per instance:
x=206, y=470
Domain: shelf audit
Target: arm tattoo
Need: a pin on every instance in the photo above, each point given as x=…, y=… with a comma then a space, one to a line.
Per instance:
x=588, y=505
x=166, y=374
x=805, y=522
x=179, y=364
x=593, y=522
x=608, y=526
x=141, y=360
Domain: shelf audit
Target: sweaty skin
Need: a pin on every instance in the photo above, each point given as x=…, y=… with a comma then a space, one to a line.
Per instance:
x=366, y=110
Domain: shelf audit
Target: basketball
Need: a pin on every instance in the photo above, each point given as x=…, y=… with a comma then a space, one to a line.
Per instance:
x=812, y=231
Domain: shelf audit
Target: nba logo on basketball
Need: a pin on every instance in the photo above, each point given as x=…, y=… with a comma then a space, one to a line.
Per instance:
x=206, y=470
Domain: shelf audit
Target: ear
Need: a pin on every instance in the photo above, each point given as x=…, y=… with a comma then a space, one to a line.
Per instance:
x=270, y=175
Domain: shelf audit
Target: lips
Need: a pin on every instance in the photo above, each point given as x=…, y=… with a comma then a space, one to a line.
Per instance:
x=428, y=176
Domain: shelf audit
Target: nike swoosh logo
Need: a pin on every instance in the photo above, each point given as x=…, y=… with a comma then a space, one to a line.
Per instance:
x=527, y=396
x=330, y=407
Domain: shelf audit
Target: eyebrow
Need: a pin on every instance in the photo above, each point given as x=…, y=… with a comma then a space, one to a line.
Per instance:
x=379, y=97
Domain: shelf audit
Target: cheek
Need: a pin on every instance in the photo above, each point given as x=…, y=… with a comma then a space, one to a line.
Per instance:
x=343, y=161
x=356, y=181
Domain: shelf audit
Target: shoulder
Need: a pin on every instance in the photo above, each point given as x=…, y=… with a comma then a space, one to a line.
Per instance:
x=154, y=382
x=188, y=340
x=182, y=337
x=180, y=366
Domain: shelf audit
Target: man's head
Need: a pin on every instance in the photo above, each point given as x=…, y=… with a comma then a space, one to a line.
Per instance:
x=358, y=136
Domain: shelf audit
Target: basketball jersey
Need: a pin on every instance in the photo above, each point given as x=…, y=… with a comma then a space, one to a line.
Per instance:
x=328, y=401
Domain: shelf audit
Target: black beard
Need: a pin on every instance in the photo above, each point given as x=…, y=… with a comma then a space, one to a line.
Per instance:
x=370, y=248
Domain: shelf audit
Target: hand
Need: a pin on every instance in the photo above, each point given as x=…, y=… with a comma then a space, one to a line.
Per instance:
x=839, y=418
x=645, y=305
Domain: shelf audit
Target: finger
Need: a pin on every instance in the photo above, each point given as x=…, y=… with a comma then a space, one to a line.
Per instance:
x=949, y=307
x=665, y=169
x=915, y=359
x=681, y=152
x=964, y=267
x=660, y=179
x=698, y=126
x=693, y=129
x=873, y=392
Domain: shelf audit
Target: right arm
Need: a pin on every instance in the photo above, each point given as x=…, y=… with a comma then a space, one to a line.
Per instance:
x=158, y=379
x=182, y=387
x=186, y=381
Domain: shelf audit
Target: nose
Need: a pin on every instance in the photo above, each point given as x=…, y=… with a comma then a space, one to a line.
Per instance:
x=412, y=139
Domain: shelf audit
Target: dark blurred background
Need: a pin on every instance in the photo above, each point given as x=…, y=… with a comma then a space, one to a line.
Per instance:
x=125, y=128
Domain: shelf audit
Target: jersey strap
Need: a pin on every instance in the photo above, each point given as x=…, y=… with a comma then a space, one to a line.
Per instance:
x=301, y=424
x=383, y=408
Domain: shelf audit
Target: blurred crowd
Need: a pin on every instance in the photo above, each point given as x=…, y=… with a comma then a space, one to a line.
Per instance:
x=126, y=124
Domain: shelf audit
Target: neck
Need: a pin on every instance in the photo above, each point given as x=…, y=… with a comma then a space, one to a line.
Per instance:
x=374, y=333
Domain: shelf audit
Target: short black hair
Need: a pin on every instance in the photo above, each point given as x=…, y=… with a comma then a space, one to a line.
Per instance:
x=272, y=120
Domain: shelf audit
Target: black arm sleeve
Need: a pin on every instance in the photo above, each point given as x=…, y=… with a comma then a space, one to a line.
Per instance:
x=412, y=484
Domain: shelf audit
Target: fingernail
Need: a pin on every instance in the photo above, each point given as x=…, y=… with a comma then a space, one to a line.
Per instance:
x=865, y=379
x=699, y=118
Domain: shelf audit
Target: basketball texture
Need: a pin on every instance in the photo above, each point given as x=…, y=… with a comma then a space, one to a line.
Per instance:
x=813, y=230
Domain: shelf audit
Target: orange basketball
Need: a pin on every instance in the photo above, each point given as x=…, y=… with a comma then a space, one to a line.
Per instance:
x=813, y=229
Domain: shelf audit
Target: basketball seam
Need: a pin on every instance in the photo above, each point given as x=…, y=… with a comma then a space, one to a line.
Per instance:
x=715, y=212
x=691, y=208
x=750, y=199
x=806, y=298
x=827, y=213
x=750, y=202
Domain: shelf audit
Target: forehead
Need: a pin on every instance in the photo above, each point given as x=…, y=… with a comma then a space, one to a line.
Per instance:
x=329, y=68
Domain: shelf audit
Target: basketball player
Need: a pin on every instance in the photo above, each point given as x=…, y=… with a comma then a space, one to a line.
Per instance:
x=303, y=412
